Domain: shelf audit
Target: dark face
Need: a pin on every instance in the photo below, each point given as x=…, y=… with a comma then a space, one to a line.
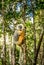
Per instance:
x=20, y=27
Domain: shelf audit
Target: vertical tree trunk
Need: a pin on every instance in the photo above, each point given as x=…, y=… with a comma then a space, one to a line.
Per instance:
x=13, y=53
x=34, y=30
x=4, y=36
x=34, y=36
x=4, y=50
x=42, y=57
x=9, y=54
x=12, y=56
x=24, y=42
x=43, y=54
x=42, y=18
x=22, y=55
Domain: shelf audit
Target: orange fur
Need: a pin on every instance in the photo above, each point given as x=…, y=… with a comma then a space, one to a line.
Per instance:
x=21, y=37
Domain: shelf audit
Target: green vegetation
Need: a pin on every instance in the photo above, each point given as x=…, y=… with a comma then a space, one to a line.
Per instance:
x=30, y=13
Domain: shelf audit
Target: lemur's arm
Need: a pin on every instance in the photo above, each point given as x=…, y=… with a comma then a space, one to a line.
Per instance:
x=16, y=36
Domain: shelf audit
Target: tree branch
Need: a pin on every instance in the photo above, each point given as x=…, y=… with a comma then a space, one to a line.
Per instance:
x=38, y=47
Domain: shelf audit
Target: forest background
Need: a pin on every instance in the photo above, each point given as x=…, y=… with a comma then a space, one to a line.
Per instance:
x=30, y=13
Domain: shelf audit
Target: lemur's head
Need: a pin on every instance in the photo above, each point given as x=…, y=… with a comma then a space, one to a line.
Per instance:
x=20, y=27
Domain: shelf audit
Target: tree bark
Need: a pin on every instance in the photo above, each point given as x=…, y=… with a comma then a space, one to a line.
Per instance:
x=38, y=48
x=4, y=36
x=34, y=30
x=24, y=42
x=43, y=54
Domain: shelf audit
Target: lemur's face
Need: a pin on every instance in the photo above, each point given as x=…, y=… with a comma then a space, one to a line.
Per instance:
x=20, y=27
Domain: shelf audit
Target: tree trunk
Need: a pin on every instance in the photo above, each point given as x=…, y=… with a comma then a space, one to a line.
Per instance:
x=4, y=50
x=43, y=54
x=4, y=36
x=9, y=54
x=13, y=53
x=4, y=45
x=38, y=48
x=34, y=30
x=24, y=42
x=34, y=35
x=22, y=55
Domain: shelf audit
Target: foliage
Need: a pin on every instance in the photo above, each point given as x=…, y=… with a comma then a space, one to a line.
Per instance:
x=27, y=12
